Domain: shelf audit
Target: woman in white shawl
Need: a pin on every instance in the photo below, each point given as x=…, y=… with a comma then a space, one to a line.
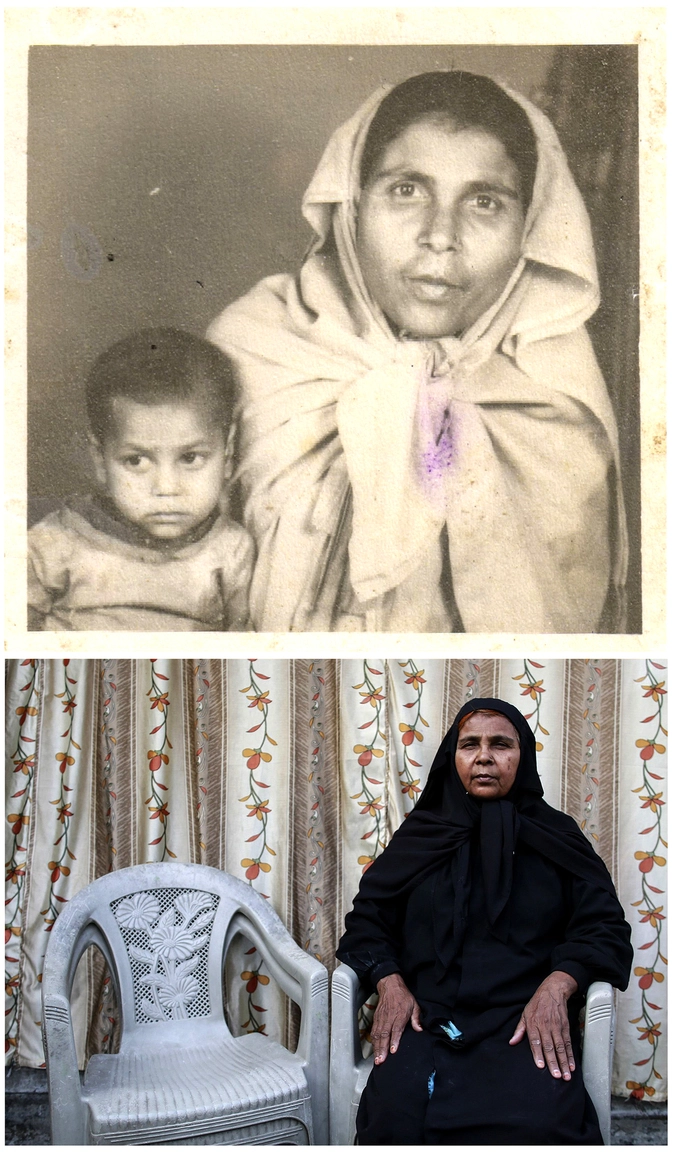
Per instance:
x=427, y=443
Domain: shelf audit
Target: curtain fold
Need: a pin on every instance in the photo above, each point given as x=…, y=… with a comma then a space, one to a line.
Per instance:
x=292, y=775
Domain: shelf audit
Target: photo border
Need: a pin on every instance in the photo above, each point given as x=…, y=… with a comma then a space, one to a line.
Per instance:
x=318, y=24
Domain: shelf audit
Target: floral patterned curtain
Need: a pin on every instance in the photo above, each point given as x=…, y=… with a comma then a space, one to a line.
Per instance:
x=292, y=775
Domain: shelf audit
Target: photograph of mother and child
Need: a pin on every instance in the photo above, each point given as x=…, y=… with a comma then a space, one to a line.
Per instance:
x=427, y=423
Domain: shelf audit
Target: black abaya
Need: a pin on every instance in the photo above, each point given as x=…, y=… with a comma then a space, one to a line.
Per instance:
x=487, y=1094
x=486, y=1091
x=475, y=904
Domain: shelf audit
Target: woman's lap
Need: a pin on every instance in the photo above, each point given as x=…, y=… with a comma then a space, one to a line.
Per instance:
x=394, y=1102
x=490, y=1093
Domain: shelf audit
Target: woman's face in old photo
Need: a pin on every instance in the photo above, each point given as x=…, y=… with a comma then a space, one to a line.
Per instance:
x=440, y=225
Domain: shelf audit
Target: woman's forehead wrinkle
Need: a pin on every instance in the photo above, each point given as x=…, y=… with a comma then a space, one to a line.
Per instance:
x=496, y=725
x=489, y=185
x=415, y=152
x=500, y=736
x=404, y=170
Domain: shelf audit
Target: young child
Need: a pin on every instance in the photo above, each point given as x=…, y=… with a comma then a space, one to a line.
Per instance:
x=155, y=547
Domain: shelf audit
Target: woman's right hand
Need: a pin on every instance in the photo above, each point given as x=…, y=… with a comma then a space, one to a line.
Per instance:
x=395, y=1008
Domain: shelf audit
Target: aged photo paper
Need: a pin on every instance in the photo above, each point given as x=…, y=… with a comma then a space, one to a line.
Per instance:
x=156, y=164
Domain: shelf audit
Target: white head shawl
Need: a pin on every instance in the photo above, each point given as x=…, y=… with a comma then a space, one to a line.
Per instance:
x=317, y=357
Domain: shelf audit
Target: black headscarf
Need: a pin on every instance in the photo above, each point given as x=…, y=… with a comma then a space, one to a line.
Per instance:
x=440, y=828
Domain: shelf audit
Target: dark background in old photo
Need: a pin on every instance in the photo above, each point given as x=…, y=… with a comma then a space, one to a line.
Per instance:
x=163, y=182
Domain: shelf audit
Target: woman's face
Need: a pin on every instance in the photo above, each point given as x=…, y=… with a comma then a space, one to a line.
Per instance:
x=440, y=226
x=488, y=755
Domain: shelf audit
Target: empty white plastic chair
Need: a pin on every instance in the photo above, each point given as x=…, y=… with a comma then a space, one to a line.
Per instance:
x=349, y=1069
x=180, y=1076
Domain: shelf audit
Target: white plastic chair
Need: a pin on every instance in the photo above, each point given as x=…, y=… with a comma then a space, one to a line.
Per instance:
x=349, y=1069
x=180, y=1076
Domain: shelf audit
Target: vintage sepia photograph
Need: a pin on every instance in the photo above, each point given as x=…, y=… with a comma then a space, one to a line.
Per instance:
x=336, y=329
x=327, y=338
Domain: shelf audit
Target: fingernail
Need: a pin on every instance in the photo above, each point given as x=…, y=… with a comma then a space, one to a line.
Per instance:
x=393, y=1049
x=540, y=1064
x=556, y=1072
x=566, y=1076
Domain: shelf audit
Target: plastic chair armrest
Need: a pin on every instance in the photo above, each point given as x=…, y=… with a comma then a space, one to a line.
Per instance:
x=598, y=1051
x=349, y=1069
x=347, y=997
x=301, y=977
x=71, y=935
x=305, y=981
x=68, y=1111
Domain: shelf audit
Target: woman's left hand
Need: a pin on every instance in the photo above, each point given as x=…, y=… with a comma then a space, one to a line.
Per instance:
x=546, y=1023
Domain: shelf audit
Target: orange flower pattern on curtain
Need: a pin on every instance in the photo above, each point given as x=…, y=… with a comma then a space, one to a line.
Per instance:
x=532, y=688
x=258, y=760
x=372, y=804
x=157, y=805
x=20, y=753
x=410, y=732
x=650, y=861
x=65, y=758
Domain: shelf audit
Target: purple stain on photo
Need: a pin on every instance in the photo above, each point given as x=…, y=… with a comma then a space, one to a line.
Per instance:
x=436, y=433
x=438, y=456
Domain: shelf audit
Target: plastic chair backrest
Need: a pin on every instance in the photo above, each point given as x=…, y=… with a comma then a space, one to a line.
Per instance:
x=164, y=930
x=168, y=945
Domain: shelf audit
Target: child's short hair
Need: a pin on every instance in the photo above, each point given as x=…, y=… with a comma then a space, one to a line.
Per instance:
x=160, y=366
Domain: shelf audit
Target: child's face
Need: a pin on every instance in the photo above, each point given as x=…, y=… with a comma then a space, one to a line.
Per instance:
x=163, y=466
x=440, y=227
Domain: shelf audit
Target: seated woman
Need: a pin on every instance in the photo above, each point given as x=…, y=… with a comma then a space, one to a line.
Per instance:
x=422, y=412
x=481, y=925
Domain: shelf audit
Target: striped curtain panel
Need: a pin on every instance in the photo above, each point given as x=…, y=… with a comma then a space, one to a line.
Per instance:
x=292, y=775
